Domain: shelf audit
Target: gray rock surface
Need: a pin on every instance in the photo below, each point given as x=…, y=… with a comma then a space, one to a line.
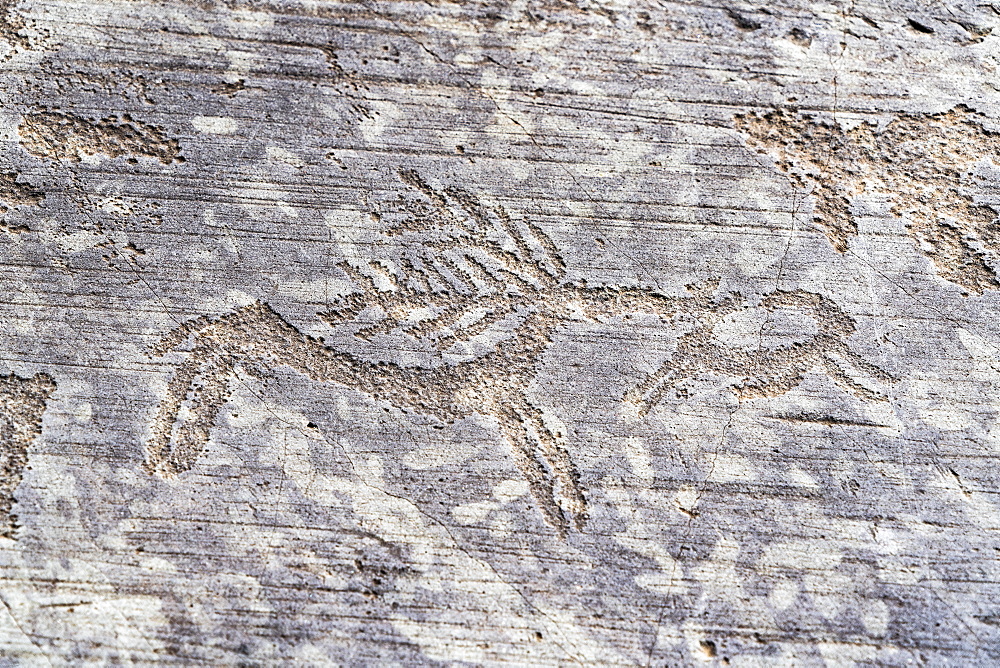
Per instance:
x=555, y=332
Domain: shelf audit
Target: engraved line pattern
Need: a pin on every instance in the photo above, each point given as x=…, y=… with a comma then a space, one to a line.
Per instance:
x=467, y=271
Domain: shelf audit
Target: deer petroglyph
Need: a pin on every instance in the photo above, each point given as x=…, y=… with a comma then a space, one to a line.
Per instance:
x=468, y=271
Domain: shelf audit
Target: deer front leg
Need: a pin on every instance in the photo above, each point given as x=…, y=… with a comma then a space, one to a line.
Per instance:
x=544, y=463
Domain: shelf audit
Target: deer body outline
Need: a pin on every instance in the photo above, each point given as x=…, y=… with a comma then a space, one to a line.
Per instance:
x=467, y=269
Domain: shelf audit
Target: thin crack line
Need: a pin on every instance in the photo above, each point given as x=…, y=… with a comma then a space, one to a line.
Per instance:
x=687, y=531
x=363, y=480
x=20, y=628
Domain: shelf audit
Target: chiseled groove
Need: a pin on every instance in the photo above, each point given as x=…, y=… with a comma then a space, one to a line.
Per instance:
x=449, y=226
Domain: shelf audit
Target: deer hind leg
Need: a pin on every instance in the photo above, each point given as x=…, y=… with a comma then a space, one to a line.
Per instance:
x=841, y=363
x=188, y=411
x=200, y=385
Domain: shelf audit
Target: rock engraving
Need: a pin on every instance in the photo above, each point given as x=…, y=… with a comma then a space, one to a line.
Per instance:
x=468, y=273
x=15, y=193
x=59, y=136
x=919, y=162
x=762, y=370
x=22, y=402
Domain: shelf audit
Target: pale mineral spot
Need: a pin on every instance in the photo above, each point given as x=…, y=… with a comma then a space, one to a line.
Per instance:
x=467, y=272
x=919, y=162
x=22, y=402
x=216, y=125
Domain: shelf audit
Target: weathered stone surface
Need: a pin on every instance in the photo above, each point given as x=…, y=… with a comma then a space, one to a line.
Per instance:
x=541, y=333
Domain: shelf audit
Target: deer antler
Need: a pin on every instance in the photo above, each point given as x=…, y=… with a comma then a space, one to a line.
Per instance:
x=471, y=257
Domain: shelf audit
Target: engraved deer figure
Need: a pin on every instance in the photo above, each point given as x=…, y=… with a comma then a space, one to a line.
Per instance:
x=468, y=270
